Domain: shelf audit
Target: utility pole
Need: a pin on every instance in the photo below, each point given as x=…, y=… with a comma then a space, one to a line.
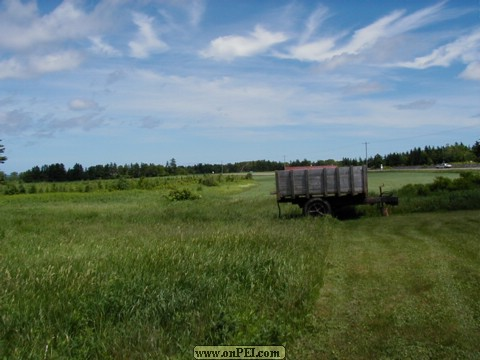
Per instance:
x=366, y=153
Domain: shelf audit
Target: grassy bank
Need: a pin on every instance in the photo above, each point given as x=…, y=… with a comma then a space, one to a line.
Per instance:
x=132, y=274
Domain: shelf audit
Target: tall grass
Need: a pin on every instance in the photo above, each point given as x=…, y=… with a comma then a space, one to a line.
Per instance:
x=134, y=275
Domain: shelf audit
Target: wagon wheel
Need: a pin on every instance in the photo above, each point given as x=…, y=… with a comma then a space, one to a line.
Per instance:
x=317, y=207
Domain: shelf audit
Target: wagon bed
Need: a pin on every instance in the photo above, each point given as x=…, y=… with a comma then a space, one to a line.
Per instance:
x=319, y=189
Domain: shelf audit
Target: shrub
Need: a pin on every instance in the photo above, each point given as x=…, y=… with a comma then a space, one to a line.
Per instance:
x=182, y=194
x=414, y=190
x=122, y=184
x=467, y=180
x=210, y=180
x=11, y=189
x=441, y=184
x=442, y=194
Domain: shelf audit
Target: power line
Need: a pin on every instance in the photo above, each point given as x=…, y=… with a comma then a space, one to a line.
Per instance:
x=350, y=146
x=366, y=153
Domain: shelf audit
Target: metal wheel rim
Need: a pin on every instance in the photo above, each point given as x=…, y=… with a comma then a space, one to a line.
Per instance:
x=317, y=208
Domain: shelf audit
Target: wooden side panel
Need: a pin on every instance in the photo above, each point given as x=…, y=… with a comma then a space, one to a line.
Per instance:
x=338, y=181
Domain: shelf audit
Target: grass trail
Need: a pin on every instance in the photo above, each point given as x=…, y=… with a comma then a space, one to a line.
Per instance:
x=400, y=287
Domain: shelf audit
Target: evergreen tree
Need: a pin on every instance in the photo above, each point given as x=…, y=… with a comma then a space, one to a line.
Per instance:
x=476, y=149
x=2, y=158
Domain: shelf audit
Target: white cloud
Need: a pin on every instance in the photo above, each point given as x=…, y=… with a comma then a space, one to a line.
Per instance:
x=15, y=121
x=195, y=11
x=465, y=48
x=83, y=105
x=472, y=72
x=102, y=48
x=363, y=88
x=417, y=19
x=363, y=42
x=146, y=40
x=39, y=64
x=417, y=105
x=64, y=60
x=319, y=50
x=11, y=68
x=313, y=22
x=232, y=46
x=85, y=122
x=22, y=27
x=326, y=49
x=368, y=36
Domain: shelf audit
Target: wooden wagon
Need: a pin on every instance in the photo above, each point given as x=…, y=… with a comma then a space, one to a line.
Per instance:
x=322, y=190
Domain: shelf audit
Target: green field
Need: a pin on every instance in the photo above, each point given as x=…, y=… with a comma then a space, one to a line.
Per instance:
x=394, y=180
x=133, y=275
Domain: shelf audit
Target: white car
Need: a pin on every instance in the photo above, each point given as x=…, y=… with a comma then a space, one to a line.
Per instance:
x=443, y=166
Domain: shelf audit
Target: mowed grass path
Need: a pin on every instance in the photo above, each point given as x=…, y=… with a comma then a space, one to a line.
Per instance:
x=130, y=275
x=403, y=287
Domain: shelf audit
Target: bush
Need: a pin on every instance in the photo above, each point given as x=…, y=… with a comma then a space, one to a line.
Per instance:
x=443, y=194
x=412, y=190
x=441, y=184
x=11, y=189
x=210, y=180
x=122, y=184
x=466, y=181
x=182, y=194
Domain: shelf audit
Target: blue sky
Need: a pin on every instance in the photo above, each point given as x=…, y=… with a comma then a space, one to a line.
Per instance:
x=218, y=81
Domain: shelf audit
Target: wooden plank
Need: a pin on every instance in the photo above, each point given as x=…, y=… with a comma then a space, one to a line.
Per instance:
x=365, y=180
x=325, y=182
x=292, y=184
x=352, y=181
x=338, y=185
x=307, y=182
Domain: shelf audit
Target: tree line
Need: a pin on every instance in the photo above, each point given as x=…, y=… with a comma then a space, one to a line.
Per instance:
x=456, y=153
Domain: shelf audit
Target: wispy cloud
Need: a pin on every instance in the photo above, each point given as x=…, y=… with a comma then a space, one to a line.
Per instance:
x=146, y=41
x=472, y=71
x=53, y=62
x=84, y=122
x=100, y=47
x=465, y=49
x=363, y=88
x=313, y=23
x=195, y=10
x=417, y=105
x=340, y=48
x=15, y=122
x=11, y=68
x=232, y=46
x=83, y=105
x=149, y=122
x=34, y=65
x=22, y=27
